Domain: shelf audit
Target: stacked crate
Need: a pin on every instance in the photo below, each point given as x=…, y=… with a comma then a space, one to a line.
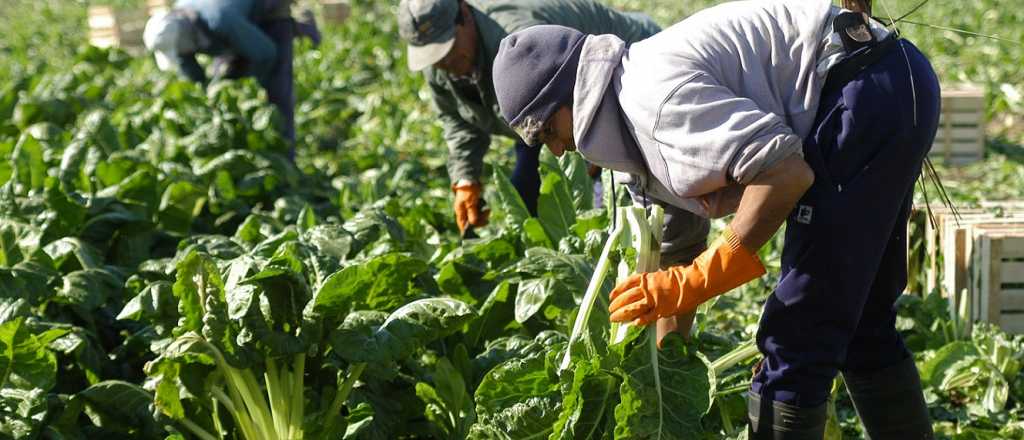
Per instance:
x=961, y=136
x=113, y=27
x=977, y=260
x=997, y=276
x=154, y=7
x=335, y=11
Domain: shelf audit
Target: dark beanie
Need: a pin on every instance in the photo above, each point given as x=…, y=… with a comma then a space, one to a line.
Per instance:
x=534, y=74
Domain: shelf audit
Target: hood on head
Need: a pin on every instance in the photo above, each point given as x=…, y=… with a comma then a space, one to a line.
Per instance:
x=602, y=135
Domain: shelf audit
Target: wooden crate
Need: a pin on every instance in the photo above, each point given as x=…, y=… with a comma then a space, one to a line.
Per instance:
x=154, y=7
x=929, y=259
x=961, y=136
x=932, y=255
x=112, y=27
x=335, y=11
x=997, y=278
x=958, y=245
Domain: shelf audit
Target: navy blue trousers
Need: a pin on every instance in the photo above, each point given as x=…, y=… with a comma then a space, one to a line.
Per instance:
x=844, y=258
x=526, y=175
x=279, y=84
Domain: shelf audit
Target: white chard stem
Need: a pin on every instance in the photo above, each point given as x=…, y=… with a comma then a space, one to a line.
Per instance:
x=596, y=281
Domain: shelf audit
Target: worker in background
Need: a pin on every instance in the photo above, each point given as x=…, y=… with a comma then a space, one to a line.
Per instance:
x=771, y=110
x=245, y=37
x=455, y=42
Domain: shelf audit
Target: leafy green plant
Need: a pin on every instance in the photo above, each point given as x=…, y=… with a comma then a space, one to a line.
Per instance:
x=166, y=271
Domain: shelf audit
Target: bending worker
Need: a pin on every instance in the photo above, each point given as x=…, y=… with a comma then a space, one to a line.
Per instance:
x=455, y=41
x=246, y=37
x=774, y=111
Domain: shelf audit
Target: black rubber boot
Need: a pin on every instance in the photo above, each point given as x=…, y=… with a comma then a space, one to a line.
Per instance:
x=780, y=421
x=890, y=402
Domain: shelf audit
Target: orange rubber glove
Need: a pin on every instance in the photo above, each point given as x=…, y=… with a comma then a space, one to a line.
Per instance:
x=467, y=205
x=646, y=297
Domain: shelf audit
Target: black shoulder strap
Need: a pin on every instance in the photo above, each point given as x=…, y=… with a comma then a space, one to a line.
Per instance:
x=854, y=63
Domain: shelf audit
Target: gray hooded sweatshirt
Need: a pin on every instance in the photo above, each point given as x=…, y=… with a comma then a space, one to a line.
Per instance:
x=694, y=113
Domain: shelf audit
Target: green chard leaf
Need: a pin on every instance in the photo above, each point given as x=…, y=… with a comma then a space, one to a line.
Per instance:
x=664, y=393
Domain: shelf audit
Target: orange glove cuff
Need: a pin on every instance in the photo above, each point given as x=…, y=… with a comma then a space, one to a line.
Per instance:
x=466, y=185
x=724, y=266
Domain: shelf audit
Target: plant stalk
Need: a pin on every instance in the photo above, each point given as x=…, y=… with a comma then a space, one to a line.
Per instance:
x=334, y=411
x=596, y=281
x=740, y=354
x=244, y=421
x=197, y=430
x=298, y=397
x=273, y=378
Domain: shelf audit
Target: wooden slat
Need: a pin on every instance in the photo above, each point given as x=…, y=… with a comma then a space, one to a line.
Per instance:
x=976, y=222
x=116, y=27
x=1001, y=225
x=972, y=118
x=962, y=92
x=131, y=15
x=1003, y=204
x=1010, y=229
x=1013, y=247
x=335, y=11
x=1012, y=272
x=938, y=209
x=101, y=14
x=954, y=153
x=1014, y=221
x=102, y=21
x=962, y=103
x=964, y=136
x=154, y=7
x=961, y=161
x=955, y=264
x=1013, y=323
x=104, y=41
x=979, y=217
x=960, y=138
x=992, y=258
x=1013, y=300
x=101, y=33
x=975, y=281
x=931, y=246
x=957, y=149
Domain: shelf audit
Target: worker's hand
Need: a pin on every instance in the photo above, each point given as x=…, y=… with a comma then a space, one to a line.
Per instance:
x=468, y=205
x=645, y=297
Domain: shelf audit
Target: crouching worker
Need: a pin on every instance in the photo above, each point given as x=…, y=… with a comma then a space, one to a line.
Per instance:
x=454, y=42
x=245, y=37
x=774, y=111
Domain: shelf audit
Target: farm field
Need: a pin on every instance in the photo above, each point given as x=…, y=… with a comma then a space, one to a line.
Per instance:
x=167, y=273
